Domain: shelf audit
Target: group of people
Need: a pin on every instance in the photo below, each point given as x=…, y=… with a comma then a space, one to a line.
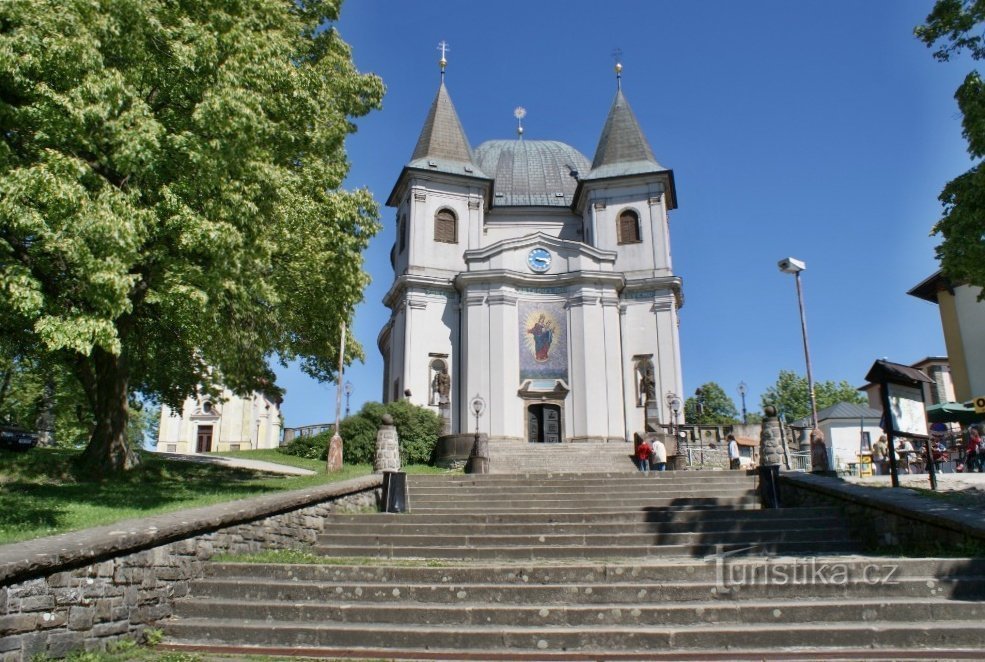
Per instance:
x=910, y=460
x=654, y=455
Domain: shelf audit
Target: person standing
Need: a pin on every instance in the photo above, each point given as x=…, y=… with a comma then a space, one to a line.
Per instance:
x=733, y=453
x=658, y=457
x=880, y=450
x=904, y=451
x=643, y=456
x=973, y=456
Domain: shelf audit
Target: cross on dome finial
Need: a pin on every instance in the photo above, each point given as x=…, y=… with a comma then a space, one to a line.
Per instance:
x=519, y=113
x=617, y=56
x=443, y=47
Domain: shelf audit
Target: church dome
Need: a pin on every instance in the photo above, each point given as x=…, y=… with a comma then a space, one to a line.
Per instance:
x=538, y=173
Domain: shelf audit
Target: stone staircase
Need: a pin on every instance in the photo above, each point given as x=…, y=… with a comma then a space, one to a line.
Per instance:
x=588, y=566
x=582, y=457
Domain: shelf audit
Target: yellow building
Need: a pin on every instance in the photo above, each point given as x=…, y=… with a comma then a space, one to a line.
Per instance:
x=963, y=322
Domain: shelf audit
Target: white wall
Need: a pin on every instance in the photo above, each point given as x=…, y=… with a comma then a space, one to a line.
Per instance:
x=843, y=439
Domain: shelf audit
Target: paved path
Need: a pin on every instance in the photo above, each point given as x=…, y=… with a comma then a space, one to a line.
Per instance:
x=257, y=465
x=971, y=486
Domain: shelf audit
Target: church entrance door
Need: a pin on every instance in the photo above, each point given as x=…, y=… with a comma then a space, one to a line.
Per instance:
x=544, y=424
x=204, y=439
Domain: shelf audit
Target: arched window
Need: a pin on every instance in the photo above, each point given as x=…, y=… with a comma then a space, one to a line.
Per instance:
x=629, y=227
x=402, y=229
x=446, y=227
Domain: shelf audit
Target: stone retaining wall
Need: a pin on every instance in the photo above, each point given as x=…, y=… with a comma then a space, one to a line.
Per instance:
x=890, y=519
x=85, y=589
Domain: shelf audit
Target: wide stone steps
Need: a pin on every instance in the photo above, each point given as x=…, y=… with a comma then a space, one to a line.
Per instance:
x=587, y=567
x=750, y=611
x=537, y=643
x=569, y=458
x=667, y=515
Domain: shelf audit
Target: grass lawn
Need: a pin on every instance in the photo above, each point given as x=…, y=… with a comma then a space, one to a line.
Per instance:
x=42, y=494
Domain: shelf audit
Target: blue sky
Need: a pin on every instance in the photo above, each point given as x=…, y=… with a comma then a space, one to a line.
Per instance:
x=816, y=129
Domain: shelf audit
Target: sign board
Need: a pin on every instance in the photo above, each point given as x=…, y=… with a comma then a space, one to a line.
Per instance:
x=979, y=403
x=907, y=413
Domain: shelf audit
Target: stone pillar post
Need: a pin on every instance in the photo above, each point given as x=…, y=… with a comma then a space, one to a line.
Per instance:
x=770, y=441
x=387, y=447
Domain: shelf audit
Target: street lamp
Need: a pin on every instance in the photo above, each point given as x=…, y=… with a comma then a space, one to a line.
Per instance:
x=789, y=265
x=348, y=392
x=742, y=394
x=674, y=402
x=480, y=453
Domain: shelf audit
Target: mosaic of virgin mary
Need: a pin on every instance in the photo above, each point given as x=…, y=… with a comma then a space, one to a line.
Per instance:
x=543, y=342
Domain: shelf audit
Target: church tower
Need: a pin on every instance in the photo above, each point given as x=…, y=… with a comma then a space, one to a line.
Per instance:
x=535, y=279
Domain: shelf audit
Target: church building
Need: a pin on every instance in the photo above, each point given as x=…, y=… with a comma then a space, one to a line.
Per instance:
x=536, y=279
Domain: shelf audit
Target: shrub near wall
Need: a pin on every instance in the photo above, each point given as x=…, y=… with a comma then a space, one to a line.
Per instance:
x=86, y=589
x=417, y=427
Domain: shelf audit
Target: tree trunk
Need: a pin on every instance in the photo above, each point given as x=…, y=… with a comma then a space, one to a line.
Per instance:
x=108, y=451
x=44, y=423
x=5, y=384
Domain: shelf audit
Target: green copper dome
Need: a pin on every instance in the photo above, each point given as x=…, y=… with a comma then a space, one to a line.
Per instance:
x=536, y=173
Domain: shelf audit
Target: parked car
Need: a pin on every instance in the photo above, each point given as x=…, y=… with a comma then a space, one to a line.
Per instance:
x=17, y=439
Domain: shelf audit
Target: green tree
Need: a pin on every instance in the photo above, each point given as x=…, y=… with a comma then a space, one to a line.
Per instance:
x=954, y=26
x=171, y=216
x=790, y=395
x=717, y=408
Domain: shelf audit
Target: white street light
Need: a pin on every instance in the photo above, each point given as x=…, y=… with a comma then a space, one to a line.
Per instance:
x=790, y=265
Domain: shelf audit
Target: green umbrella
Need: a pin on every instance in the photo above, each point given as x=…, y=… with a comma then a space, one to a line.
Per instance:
x=953, y=412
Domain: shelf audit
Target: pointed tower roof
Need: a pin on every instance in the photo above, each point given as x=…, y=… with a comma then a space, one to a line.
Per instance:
x=442, y=144
x=622, y=149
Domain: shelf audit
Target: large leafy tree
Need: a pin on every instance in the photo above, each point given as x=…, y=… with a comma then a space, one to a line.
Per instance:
x=790, y=395
x=956, y=26
x=716, y=407
x=171, y=214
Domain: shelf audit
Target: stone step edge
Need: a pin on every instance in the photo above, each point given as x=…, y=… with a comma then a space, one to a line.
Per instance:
x=696, y=654
x=822, y=627
x=858, y=560
x=657, y=585
x=763, y=602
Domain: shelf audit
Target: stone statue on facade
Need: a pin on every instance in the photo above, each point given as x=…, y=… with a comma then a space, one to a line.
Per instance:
x=648, y=382
x=440, y=387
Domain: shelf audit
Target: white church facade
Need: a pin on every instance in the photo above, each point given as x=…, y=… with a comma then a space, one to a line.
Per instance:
x=227, y=423
x=537, y=279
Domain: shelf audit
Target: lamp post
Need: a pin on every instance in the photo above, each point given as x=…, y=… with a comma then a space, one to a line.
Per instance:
x=479, y=459
x=675, y=404
x=742, y=394
x=790, y=265
x=348, y=393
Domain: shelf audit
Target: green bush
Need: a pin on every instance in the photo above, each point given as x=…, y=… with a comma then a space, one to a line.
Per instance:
x=417, y=427
x=358, y=440
x=313, y=447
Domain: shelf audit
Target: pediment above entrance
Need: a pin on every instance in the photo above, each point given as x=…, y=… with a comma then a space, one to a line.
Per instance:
x=556, y=256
